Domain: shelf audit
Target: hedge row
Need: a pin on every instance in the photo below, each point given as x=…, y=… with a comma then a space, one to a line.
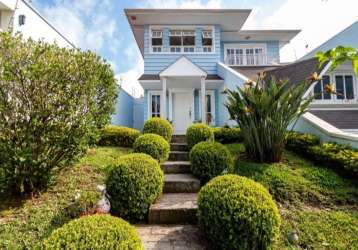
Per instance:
x=341, y=157
x=227, y=134
x=118, y=136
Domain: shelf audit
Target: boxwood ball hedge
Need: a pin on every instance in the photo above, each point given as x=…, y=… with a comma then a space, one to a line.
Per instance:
x=133, y=183
x=96, y=232
x=153, y=145
x=160, y=127
x=238, y=213
x=197, y=133
x=209, y=159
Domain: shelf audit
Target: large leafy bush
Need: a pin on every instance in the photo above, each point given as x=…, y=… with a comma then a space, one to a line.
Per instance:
x=197, y=133
x=238, y=213
x=153, y=145
x=52, y=103
x=95, y=232
x=133, y=183
x=263, y=111
x=160, y=127
x=209, y=159
x=113, y=135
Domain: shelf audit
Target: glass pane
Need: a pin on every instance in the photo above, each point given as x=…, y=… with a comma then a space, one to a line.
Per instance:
x=326, y=81
x=318, y=91
x=157, y=41
x=250, y=60
x=208, y=104
x=340, y=87
x=188, y=40
x=175, y=41
x=207, y=41
x=349, y=87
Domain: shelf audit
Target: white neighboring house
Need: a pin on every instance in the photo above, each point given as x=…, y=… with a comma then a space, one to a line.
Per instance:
x=21, y=16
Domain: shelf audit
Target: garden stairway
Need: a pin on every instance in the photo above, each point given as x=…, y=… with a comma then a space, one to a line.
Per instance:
x=178, y=203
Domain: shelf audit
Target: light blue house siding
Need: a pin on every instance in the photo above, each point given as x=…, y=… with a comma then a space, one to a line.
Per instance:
x=273, y=48
x=154, y=63
x=123, y=115
x=304, y=126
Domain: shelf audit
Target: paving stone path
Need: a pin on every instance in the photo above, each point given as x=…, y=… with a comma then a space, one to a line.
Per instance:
x=172, y=218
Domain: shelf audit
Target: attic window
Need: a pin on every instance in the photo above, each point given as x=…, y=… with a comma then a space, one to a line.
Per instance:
x=207, y=40
x=157, y=41
x=22, y=20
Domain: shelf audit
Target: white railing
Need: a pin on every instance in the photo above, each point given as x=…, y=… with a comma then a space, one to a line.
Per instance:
x=252, y=60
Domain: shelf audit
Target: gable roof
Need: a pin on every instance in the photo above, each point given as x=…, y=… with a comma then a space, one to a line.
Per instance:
x=252, y=72
x=150, y=77
x=342, y=119
x=183, y=67
x=298, y=71
x=347, y=37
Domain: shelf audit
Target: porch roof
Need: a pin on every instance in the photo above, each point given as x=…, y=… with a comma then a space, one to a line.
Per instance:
x=149, y=77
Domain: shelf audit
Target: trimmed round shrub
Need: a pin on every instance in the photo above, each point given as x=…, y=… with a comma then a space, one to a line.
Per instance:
x=118, y=136
x=227, y=134
x=153, y=145
x=95, y=232
x=160, y=127
x=133, y=183
x=197, y=133
x=237, y=213
x=209, y=159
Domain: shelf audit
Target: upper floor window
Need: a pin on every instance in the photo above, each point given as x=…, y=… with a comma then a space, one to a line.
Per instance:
x=207, y=40
x=343, y=83
x=157, y=40
x=246, y=54
x=182, y=41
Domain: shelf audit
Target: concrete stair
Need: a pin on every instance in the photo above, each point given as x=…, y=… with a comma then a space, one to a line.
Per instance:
x=178, y=204
x=176, y=167
x=174, y=209
x=181, y=183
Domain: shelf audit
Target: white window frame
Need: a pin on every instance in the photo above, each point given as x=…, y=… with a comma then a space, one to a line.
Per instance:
x=150, y=94
x=212, y=100
x=244, y=47
x=334, y=99
x=182, y=28
x=153, y=47
x=204, y=35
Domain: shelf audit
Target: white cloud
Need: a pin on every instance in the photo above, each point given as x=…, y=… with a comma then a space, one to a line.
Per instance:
x=319, y=20
x=129, y=79
x=86, y=23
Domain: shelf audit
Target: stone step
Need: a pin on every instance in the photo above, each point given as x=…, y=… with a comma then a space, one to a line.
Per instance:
x=176, y=167
x=178, y=156
x=174, y=209
x=177, y=146
x=181, y=183
x=178, y=139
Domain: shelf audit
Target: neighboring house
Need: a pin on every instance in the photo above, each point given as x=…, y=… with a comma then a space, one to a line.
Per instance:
x=21, y=16
x=191, y=56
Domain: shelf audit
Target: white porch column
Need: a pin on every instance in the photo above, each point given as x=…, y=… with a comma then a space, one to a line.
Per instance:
x=163, y=105
x=203, y=101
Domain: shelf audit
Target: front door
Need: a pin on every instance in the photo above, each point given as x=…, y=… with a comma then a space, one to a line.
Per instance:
x=182, y=113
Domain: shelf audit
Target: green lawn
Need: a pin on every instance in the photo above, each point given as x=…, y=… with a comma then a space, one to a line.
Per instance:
x=24, y=223
x=314, y=200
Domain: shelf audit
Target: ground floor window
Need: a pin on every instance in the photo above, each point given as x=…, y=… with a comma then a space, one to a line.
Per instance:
x=343, y=83
x=155, y=108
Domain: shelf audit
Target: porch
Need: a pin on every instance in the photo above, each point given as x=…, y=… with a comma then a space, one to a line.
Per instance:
x=189, y=95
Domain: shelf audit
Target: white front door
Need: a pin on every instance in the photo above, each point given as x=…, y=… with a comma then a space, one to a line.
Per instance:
x=182, y=113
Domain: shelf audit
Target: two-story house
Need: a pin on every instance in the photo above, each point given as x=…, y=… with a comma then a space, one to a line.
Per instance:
x=21, y=16
x=191, y=56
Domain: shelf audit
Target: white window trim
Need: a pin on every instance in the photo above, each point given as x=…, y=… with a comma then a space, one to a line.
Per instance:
x=212, y=97
x=182, y=27
x=334, y=99
x=245, y=46
x=149, y=101
x=150, y=42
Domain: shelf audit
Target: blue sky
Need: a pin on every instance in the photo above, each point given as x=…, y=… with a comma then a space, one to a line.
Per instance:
x=101, y=26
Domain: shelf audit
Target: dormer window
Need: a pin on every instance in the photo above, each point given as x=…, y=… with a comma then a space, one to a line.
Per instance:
x=207, y=41
x=157, y=41
x=182, y=41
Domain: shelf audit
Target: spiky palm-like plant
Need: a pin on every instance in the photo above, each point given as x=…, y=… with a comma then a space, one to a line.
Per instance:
x=264, y=110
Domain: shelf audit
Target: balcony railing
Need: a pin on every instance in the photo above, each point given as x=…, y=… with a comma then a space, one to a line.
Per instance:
x=252, y=60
